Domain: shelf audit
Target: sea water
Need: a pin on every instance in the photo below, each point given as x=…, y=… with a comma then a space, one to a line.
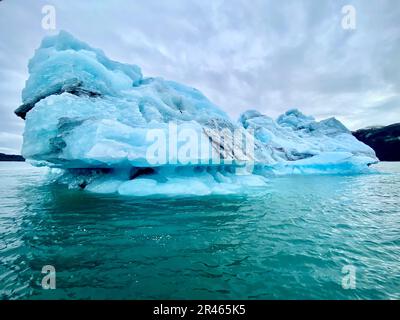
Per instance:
x=301, y=237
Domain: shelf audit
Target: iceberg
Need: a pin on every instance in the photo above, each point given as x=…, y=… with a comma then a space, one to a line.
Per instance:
x=102, y=126
x=299, y=144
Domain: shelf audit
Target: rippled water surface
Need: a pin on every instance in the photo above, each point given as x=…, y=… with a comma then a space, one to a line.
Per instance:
x=288, y=241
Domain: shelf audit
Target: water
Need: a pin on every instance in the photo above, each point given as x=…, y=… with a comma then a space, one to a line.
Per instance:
x=289, y=241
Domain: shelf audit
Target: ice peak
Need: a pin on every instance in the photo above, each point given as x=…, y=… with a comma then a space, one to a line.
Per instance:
x=295, y=119
x=63, y=63
x=64, y=41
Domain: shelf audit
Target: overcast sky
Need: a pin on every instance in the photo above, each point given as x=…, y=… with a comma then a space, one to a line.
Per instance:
x=257, y=54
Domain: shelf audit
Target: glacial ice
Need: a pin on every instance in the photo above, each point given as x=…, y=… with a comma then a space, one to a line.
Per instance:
x=93, y=121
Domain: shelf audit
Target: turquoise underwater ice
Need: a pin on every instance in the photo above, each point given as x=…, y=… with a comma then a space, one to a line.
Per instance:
x=89, y=119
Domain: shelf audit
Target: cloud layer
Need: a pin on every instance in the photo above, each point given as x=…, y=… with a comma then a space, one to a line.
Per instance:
x=264, y=55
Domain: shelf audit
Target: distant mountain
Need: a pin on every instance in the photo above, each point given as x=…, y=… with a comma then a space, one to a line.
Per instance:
x=10, y=157
x=384, y=140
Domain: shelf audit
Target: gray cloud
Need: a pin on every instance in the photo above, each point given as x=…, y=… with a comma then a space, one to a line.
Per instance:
x=266, y=55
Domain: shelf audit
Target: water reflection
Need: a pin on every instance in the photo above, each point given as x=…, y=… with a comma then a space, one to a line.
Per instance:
x=287, y=241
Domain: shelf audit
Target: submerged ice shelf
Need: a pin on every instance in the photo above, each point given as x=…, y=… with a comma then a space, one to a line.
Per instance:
x=102, y=126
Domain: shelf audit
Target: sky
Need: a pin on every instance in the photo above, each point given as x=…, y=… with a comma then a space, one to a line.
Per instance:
x=265, y=55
